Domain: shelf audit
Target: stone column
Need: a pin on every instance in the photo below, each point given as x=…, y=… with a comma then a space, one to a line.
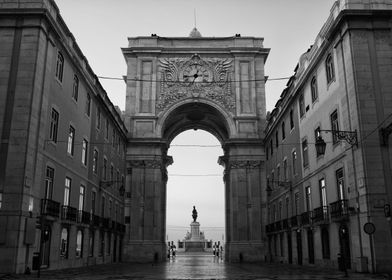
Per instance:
x=244, y=192
x=146, y=209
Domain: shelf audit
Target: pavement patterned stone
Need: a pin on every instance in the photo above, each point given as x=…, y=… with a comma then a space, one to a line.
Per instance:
x=197, y=267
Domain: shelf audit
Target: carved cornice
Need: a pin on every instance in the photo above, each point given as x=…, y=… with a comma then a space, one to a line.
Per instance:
x=153, y=164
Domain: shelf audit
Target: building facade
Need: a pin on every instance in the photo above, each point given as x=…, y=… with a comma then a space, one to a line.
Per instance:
x=341, y=91
x=62, y=170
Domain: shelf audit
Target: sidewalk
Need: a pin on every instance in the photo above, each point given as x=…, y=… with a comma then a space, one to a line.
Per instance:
x=196, y=266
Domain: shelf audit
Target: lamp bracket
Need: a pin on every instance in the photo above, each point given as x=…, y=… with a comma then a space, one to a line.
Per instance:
x=349, y=136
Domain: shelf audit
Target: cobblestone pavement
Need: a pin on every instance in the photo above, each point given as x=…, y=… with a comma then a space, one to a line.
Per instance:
x=196, y=266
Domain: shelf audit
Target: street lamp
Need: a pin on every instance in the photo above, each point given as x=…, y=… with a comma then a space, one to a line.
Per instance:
x=349, y=136
x=105, y=184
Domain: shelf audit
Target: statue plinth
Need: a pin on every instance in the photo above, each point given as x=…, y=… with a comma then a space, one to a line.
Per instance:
x=195, y=231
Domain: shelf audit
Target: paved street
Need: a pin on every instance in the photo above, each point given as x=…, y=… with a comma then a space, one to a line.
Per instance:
x=195, y=266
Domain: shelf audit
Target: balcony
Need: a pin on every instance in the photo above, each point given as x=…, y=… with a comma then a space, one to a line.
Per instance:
x=339, y=210
x=306, y=218
x=50, y=208
x=84, y=217
x=105, y=222
x=320, y=215
x=95, y=220
x=278, y=225
x=69, y=213
x=294, y=221
x=285, y=224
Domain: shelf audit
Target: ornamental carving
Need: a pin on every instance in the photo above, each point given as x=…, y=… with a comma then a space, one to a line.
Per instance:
x=208, y=78
x=154, y=164
x=242, y=164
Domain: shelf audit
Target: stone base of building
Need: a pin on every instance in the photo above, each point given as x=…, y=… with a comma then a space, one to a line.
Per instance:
x=144, y=252
x=245, y=251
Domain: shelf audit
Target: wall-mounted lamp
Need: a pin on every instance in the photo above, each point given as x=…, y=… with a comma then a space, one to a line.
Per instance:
x=349, y=136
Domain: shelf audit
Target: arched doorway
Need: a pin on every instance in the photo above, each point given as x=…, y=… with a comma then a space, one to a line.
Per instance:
x=212, y=84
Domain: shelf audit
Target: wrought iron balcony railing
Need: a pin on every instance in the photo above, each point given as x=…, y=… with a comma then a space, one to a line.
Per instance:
x=84, y=217
x=69, y=213
x=50, y=208
x=285, y=223
x=306, y=218
x=294, y=221
x=339, y=209
x=320, y=214
x=105, y=222
x=95, y=220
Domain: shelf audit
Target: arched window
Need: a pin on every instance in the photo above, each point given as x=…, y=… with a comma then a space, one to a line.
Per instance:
x=283, y=131
x=79, y=244
x=329, y=68
x=313, y=89
x=325, y=243
x=64, y=243
x=59, y=66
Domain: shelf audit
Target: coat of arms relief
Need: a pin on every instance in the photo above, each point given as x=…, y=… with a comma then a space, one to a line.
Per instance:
x=195, y=77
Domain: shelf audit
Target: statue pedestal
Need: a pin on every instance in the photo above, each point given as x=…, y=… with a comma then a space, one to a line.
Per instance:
x=195, y=243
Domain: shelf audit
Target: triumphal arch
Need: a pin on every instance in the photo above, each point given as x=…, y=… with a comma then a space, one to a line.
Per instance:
x=212, y=83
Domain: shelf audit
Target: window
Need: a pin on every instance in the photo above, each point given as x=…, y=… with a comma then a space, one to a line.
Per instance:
x=272, y=147
x=88, y=104
x=305, y=153
x=283, y=131
x=276, y=139
x=81, y=197
x=294, y=161
x=323, y=194
x=266, y=152
x=273, y=179
x=329, y=68
x=281, y=244
x=71, y=140
x=280, y=210
x=59, y=67
x=105, y=169
x=103, y=207
x=67, y=190
x=296, y=198
x=278, y=173
x=313, y=89
x=334, y=126
x=291, y=119
x=91, y=244
x=101, y=242
x=325, y=243
x=95, y=162
x=109, y=243
x=93, y=202
x=64, y=243
x=1, y=199
x=111, y=172
x=301, y=103
x=84, y=151
x=75, y=88
x=317, y=134
x=98, y=118
x=49, y=182
x=285, y=175
x=287, y=207
x=110, y=209
x=79, y=244
x=113, y=137
x=340, y=183
x=308, y=199
x=54, y=126
x=107, y=129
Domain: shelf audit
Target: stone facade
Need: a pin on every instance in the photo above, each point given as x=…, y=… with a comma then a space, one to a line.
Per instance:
x=57, y=126
x=176, y=84
x=341, y=83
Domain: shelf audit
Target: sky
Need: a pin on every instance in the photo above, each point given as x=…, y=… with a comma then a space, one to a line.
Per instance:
x=101, y=29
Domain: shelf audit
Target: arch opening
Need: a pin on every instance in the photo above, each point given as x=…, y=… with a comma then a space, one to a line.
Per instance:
x=195, y=179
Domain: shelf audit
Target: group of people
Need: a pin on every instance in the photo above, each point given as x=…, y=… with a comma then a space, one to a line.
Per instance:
x=217, y=251
x=171, y=251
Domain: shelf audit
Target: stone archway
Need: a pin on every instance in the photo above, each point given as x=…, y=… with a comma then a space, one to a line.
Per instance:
x=176, y=84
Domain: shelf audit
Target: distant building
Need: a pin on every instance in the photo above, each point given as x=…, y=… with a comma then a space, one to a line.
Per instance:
x=62, y=153
x=319, y=210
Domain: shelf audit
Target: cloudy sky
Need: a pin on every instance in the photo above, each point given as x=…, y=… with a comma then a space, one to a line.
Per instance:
x=101, y=28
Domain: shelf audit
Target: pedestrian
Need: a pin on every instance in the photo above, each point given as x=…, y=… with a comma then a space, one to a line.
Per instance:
x=213, y=249
x=221, y=252
x=217, y=251
x=174, y=250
